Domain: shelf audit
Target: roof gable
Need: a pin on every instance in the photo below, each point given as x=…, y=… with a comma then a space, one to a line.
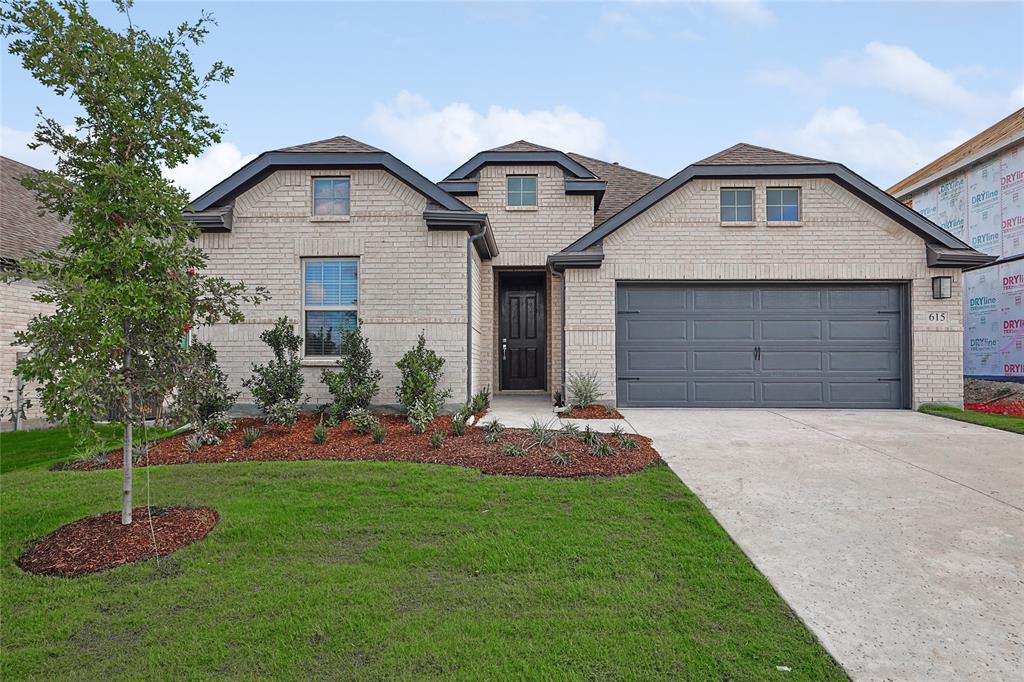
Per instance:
x=522, y=146
x=23, y=230
x=744, y=154
x=340, y=143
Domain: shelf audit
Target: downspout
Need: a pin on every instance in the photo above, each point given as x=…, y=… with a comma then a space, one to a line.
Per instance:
x=474, y=234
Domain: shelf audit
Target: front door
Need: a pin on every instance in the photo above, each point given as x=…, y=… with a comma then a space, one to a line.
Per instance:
x=522, y=339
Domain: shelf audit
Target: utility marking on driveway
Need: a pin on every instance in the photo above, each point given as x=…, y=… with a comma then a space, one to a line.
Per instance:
x=898, y=459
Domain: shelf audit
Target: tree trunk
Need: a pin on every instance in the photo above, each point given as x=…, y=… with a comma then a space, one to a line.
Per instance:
x=126, y=501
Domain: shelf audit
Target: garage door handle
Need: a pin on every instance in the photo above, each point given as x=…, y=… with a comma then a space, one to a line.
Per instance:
x=629, y=378
x=896, y=379
x=629, y=312
x=889, y=312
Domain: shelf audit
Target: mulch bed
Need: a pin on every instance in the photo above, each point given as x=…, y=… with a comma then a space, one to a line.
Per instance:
x=592, y=412
x=1010, y=408
x=99, y=542
x=401, y=444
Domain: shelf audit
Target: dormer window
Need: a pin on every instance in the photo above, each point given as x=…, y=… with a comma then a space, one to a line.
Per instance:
x=331, y=196
x=737, y=205
x=522, y=190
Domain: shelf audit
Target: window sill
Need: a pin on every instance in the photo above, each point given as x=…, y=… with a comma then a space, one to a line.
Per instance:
x=319, y=361
x=520, y=208
x=785, y=223
x=738, y=223
x=329, y=218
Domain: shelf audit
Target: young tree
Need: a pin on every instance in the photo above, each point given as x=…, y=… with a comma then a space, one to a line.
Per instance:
x=127, y=281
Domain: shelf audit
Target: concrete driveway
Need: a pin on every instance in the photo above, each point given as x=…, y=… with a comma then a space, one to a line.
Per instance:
x=897, y=537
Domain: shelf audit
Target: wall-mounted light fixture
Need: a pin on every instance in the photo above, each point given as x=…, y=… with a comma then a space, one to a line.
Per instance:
x=942, y=287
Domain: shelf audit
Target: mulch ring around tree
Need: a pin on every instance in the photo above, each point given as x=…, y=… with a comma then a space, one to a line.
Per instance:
x=592, y=412
x=100, y=542
x=401, y=444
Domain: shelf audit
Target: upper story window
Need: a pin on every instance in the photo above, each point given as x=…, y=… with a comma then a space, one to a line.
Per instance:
x=331, y=196
x=737, y=205
x=330, y=302
x=783, y=205
x=522, y=190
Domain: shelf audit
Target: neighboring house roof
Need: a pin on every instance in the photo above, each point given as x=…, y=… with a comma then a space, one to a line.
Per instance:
x=623, y=185
x=23, y=228
x=340, y=143
x=753, y=163
x=749, y=154
x=988, y=141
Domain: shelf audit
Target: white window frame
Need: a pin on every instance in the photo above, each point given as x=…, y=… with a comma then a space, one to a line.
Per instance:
x=536, y=191
x=799, y=204
x=312, y=198
x=753, y=205
x=325, y=308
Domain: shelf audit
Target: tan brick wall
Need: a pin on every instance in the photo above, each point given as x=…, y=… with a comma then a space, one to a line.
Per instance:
x=526, y=237
x=17, y=309
x=840, y=238
x=409, y=279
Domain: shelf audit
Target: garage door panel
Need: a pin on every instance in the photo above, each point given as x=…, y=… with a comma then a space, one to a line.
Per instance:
x=820, y=346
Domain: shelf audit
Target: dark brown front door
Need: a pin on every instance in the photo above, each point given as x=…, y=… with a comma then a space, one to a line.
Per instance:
x=522, y=341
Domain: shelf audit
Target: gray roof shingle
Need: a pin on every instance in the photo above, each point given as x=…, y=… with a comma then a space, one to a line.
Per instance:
x=341, y=143
x=624, y=185
x=522, y=146
x=744, y=154
x=22, y=229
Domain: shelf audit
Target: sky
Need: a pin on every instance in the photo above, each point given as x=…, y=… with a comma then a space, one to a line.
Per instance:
x=883, y=87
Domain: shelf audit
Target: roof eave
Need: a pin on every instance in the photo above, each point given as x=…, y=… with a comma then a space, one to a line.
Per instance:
x=942, y=257
x=482, y=159
x=559, y=262
x=471, y=222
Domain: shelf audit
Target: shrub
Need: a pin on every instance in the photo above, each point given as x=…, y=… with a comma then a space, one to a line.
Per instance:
x=481, y=401
x=602, y=448
x=559, y=457
x=418, y=389
x=437, y=439
x=513, y=450
x=249, y=436
x=584, y=389
x=420, y=415
x=320, y=433
x=277, y=386
x=362, y=421
x=458, y=424
x=355, y=382
x=203, y=398
x=379, y=433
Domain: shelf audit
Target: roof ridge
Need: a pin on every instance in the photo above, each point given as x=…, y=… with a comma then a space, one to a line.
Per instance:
x=338, y=143
x=613, y=163
x=744, y=153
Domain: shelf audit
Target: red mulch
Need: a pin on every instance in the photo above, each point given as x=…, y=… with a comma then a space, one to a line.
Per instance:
x=99, y=542
x=1013, y=408
x=401, y=444
x=592, y=412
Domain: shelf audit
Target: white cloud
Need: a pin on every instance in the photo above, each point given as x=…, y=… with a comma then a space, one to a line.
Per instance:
x=617, y=25
x=875, y=150
x=205, y=171
x=753, y=12
x=14, y=145
x=901, y=70
x=448, y=136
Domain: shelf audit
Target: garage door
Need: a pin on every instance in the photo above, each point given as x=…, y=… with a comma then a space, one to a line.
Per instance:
x=760, y=345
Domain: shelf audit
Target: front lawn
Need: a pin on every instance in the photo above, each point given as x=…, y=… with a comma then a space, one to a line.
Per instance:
x=47, y=447
x=994, y=421
x=384, y=570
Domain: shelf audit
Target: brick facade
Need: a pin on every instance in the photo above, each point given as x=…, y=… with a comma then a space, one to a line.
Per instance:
x=18, y=309
x=839, y=238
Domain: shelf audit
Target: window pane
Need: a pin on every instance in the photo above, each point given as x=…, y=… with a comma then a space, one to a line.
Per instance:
x=529, y=183
x=728, y=198
x=314, y=283
x=322, y=189
x=728, y=214
x=773, y=197
x=774, y=213
x=790, y=213
x=331, y=196
x=744, y=214
x=745, y=197
x=323, y=330
x=330, y=283
x=529, y=199
x=789, y=197
x=515, y=183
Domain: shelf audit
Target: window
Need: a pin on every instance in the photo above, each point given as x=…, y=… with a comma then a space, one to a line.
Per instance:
x=522, y=190
x=330, y=196
x=737, y=205
x=783, y=205
x=330, y=293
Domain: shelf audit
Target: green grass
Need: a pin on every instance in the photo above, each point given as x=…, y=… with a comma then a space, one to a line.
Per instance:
x=367, y=570
x=995, y=421
x=46, y=447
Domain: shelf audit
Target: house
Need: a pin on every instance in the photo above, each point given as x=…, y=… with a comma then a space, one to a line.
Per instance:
x=976, y=193
x=750, y=278
x=24, y=229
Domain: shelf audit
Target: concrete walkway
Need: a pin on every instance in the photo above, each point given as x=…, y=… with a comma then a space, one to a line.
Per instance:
x=519, y=410
x=897, y=537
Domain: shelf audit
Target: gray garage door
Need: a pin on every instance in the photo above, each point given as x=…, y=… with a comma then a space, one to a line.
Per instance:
x=760, y=345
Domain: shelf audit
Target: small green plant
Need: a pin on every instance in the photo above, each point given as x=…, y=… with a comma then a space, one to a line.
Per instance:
x=459, y=425
x=570, y=430
x=249, y=436
x=557, y=399
x=379, y=433
x=584, y=389
x=493, y=426
x=194, y=442
x=602, y=448
x=541, y=433
x=320, y=433
x=481, y=401
x=362, y=421
x=492, y=437
x=618, y=431
x=437, y=439
x=590, y=436
x=420, y=415
x=559, y=457
x=513, y=450
x=627, y=442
